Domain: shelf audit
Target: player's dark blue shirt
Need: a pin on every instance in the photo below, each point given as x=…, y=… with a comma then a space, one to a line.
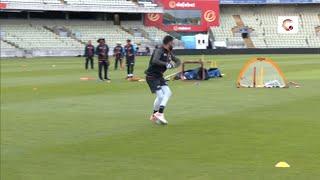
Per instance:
x=158, y=62
x=102, y=51
x=89, y=51
x=129, y=50
x=118, y=51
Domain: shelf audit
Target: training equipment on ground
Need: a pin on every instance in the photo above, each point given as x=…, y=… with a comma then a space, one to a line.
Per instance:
x=261, y=72
x=201, y=71
x=282, y=164
x=294, y=84
x=86, y=78
x=197, y=70
x=199, y=74
x=135, y=79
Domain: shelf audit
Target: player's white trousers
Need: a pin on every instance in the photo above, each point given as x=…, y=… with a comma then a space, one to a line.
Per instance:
x=163, y=96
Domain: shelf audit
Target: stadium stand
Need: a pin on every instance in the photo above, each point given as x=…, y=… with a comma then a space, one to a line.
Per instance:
x=71, y=35
x=224, y=32
x=33, y=1
x=151, y=33
x=56, y=34
x=147, y=3
x=84, y=30
x=263, y=22
x=10, y=49
x=102, y=2
x=38, y=34
x=6, y=46
x=74, y=4
x=29, y=36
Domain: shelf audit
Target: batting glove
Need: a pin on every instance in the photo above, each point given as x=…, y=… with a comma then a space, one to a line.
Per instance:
x=170, y=66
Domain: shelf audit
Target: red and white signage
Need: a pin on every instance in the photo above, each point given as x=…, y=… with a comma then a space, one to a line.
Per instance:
x=174, y=4
x=209, y=15
x=3, y=5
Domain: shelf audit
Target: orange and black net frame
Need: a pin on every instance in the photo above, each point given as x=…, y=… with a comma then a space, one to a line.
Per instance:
x=246, y=66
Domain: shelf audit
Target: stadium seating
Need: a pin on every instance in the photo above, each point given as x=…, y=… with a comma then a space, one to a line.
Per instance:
x=33, y=1
x=224, y=32
x=263, y=20
x=147, y=3
x=102, y=2
x=30, y=36
x=6, y=46
x=109, y=3
x=92, y=30
x=155, y=35
x=40, y=34
x=9, y=50
x=152, y=33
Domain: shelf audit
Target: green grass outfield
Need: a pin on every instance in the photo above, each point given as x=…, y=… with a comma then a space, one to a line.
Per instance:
x=56, y=127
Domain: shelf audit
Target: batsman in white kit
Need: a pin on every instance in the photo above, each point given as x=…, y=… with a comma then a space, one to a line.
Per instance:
x=161, y=60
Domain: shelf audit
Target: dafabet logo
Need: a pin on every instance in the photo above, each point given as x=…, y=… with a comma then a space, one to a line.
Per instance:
x=181, y=28
x=153, y=17
x=174, y=4
x=209, y=16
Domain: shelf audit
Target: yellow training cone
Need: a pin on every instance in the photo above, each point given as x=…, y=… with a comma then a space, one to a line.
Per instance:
x=282, y=164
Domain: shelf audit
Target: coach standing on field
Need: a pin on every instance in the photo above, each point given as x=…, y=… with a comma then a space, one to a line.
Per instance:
x=102, y=51
x=89, y=54
x=130, y=57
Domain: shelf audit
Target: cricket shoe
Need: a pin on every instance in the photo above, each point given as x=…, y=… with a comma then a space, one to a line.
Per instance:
x=160, y=118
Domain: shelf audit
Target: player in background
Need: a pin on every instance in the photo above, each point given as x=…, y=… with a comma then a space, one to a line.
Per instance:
x=130, y=58
x=162, y=59
x=89, y=54
x=103, y=59
x=148, y=51
x=118, y=54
